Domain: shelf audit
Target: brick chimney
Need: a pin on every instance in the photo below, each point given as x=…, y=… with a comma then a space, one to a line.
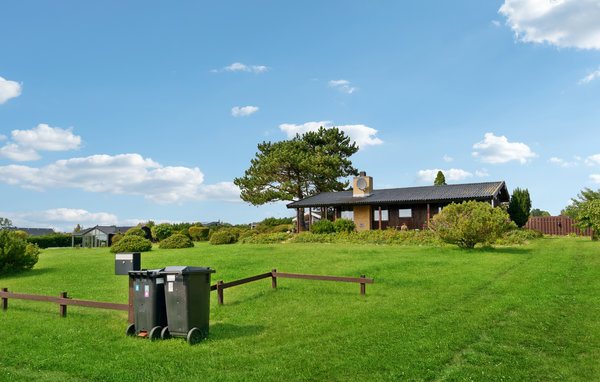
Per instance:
x=362, y=185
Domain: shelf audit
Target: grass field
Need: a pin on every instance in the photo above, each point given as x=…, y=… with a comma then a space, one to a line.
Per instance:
x=524, y=313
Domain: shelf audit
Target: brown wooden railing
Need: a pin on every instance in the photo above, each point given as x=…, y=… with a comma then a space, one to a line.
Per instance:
x=555, y=225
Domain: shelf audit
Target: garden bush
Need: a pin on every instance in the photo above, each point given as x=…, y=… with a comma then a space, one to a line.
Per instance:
x=116, y=238
x=389, y=236
x=162, y=231
x=322, y=226
x=469, y=223
x=22, y=234
x=519, y=236
x=222, y=237
x=132, y=243
x=176, y=241
x=137, y=231
x=344, y=225
x=54, y=240
x=265, y=238
x=198, y=233
x=280, y=228
x=16, y=253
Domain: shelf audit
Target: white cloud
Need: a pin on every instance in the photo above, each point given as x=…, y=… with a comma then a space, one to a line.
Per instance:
x=361, y=134
x=239, y=67
x=448, y=158
x=563, y=23
x=482, y=173
x=495, y=150
x=121, y=174
x=27, y=143
x=595, y=178
x=562, y=163
x=342, y=85
x=593, y=160
x=590, y=77
x=237, y=111
x=2, y=137
x=453, y=174
x=496, y=23
x=8, y=90
x=62, y=219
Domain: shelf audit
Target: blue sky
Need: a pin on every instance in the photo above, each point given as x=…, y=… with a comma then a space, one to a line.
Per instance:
x=119, y=112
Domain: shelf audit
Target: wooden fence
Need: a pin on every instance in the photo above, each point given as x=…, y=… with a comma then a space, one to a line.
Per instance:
x=555, y=225
x=63, y=301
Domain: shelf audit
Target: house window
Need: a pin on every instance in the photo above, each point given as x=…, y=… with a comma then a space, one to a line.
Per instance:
x=384, y=215
x=439, y=209
x=348, y=215
x=405, y=213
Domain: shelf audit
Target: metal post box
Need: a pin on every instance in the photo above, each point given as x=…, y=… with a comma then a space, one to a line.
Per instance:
x=125, y=262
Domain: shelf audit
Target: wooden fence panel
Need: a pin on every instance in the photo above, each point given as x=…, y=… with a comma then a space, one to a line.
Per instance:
x=555, y=225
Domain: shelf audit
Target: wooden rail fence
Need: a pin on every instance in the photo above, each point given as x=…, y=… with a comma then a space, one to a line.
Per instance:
x=555, y=225
x=63, y=301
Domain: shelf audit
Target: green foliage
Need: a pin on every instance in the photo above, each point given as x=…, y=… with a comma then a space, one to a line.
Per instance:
x=519, y=236
x=132, y=243
x=536, y=212
x=582, y=206
x=469, y=223
x=389, y=236
x=137, y=231
x=299, y=167
x=54, y=240
x=199, y=233
x=520, y=206
x=322, y=226
x=344, y=225
x=222, y=237
x=15, y=253
x=77, y=229
x=22, y=234
x=117, y=237
x=5, y=223
x=176, y=241
x=440, y=179
x=265, y=238
x=588, y=216
x=272, y=222
x=162, y=231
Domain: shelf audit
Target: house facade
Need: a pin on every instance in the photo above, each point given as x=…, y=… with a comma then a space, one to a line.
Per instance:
x=98, y=236
x=412, y=207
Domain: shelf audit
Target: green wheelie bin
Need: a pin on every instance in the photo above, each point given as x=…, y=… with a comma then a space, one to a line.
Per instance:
x=149, y=309
x=187, y=298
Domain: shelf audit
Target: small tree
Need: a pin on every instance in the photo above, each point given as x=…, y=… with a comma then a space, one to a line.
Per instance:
x=15, y=252
x=588, y=215
x=77, y=229
x=469, y=223
x=162, y=231
x=536, y=212
x=519, y=207
x=440, y=179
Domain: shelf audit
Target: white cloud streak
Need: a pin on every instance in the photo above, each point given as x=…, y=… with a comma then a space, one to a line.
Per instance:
x=595, y=178
x=453, y=174
x=237, y=111
x=27, y=143
x=482, y=173
x=361, y=134
x=129, y=174
x=496, y=150
x=590, y=77
x=563, y=23
x=448, y=158
x=593, y=160
x=342, y=85
x=239, y=67
x=8, y=90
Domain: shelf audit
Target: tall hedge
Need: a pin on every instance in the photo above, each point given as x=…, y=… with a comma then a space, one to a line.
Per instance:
x=54, y=240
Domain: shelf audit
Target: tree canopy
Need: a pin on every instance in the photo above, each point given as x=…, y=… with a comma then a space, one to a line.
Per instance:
x=586, y=209
x=537, y=212
x=307, y=164
x=440, y=179
x=519, y=207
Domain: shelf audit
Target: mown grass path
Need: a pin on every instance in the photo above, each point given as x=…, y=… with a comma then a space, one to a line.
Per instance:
x=444, y=314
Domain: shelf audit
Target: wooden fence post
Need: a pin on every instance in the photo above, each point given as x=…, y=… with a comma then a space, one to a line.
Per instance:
x=63, y=308
x=130, y=315
x=273, y=278
x=362, y=286
x=4, y=300
x=220, y=291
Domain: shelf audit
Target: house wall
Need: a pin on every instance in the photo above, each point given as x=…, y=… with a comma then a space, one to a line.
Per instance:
x=362, y=217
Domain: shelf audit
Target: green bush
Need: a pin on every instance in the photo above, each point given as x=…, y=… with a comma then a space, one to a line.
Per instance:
x=272, y=222
x=322, y=226
x=137, y=231
x=162, y=231
x=54, y=240
x=389, y=236
x=222, y=237
x=470, y=223
x=132, y=243
x=266, y=238
x=343, y=225
x=15, y=253
x=21, y=234
x=280, y=228
x=176, y=241
x=198, y=233
x=519, y=236
x=116, y=238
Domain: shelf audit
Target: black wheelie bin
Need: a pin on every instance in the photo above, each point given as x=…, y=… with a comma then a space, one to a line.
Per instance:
x=149, y=309
x=187, y=297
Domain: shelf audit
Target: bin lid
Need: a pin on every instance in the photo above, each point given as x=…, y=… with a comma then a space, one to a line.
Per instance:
x=186, y=270
x=146, y=272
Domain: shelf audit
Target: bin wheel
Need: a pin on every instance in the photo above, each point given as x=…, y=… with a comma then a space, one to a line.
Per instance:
x=154, y=333
x=130, y=331
x=165, y=334
x=194, y=336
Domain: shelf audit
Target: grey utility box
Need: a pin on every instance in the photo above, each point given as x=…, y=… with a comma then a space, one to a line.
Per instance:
x=187, y=298
x=125, y=262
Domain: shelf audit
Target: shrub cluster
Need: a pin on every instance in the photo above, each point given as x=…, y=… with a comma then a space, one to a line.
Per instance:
x=116, y=238
x=519, y=236
x=176, y=241
x=272, y=222
x=223, y=237
x=199, y=233
x=137, y=231
x=344, y=225
x=388, y=236
x=54, y=240
x=131, y=243
x=162, y=231
x=265, y=238
x=322, y=226
x=16, y=253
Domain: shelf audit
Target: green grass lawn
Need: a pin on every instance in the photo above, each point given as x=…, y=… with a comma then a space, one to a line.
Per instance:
x=524, y=313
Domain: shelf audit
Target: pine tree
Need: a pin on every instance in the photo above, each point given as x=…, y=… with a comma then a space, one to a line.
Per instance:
x=440, y=179
x=519, y=207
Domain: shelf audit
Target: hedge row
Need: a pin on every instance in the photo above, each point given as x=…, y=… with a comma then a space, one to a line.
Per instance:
x=54, y=240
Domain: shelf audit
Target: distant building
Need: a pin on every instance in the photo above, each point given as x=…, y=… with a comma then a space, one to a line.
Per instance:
x=34, y=231
x=98, y=236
